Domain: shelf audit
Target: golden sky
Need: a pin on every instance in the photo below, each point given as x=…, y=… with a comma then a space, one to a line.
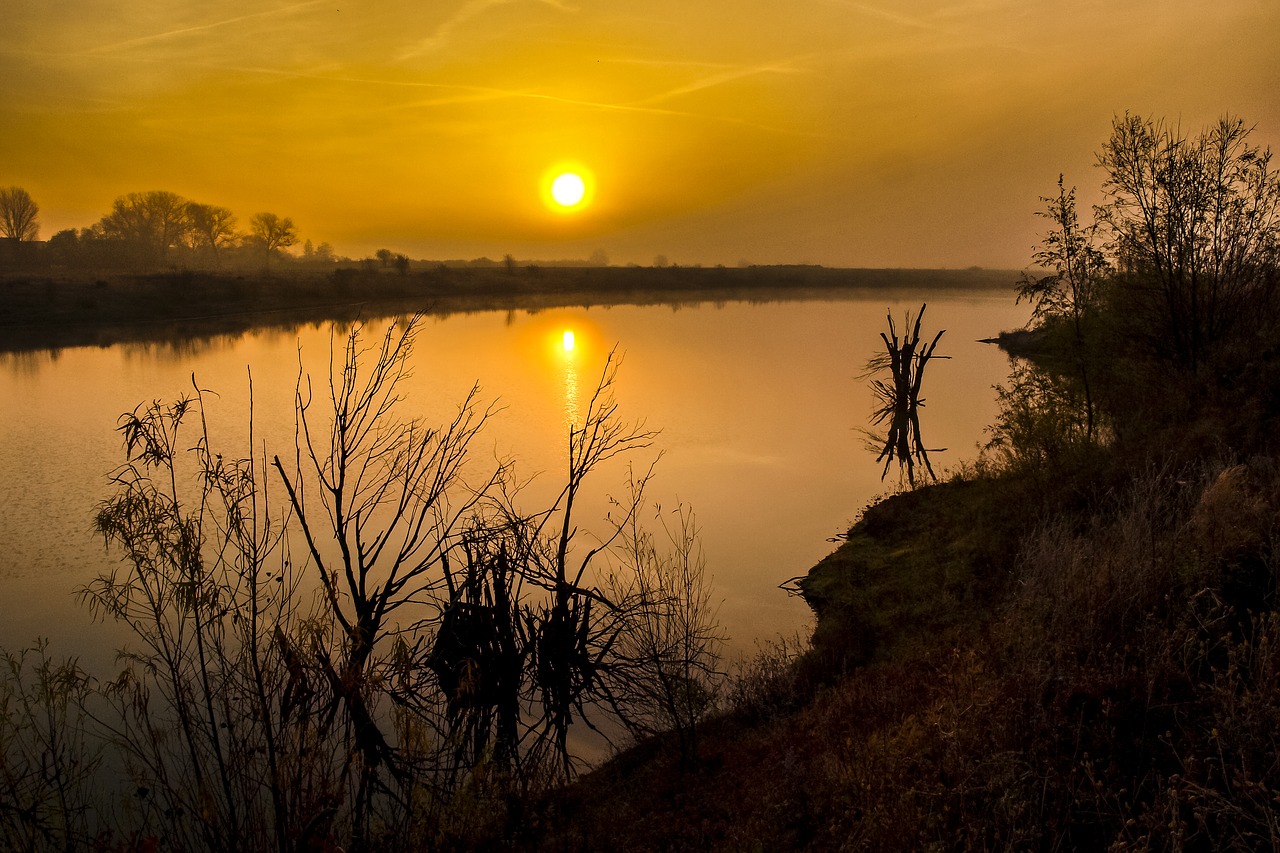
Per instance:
x=906, y=134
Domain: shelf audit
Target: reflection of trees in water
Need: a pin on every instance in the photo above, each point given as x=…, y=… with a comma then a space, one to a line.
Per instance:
x=118, y=308
x=898, y=398
x=28, y=362
x=177, y=349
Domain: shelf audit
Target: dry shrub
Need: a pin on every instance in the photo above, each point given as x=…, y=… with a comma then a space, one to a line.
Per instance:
x=1220, y=785
x=1232, y=518
x=940, y=774
x=1124, y=701
x=1079, y=583
x=1150, y=696
x=769, y=683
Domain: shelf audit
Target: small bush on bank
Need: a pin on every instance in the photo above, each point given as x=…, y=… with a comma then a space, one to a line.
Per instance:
x=769, y=684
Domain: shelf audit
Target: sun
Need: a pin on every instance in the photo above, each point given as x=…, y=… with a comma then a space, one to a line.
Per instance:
x=568, y=189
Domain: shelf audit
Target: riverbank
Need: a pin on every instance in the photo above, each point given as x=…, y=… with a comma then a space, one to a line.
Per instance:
x=1104, y=679
x=1069, y=644
x=51, y=312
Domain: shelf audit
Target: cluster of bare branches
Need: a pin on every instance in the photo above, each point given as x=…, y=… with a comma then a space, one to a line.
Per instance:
x=212, y=714
x=898, y=397
x=669, y=644
x=330, y=645
x=1193, y=223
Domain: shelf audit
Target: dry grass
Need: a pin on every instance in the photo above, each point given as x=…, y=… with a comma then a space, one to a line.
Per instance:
x=1125, y=696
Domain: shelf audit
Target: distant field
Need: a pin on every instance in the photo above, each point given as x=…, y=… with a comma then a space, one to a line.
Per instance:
x=42, y=312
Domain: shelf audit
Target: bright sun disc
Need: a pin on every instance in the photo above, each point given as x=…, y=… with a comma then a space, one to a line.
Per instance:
x=568, y=189
x=568, y=341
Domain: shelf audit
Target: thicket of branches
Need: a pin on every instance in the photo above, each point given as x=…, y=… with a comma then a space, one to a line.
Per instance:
x=355, y=642
x=1126, y=689
x=1152, y=308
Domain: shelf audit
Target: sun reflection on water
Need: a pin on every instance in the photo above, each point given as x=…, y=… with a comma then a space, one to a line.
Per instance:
x=570, y=381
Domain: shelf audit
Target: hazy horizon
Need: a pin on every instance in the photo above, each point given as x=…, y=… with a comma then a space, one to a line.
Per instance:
x=829, y=132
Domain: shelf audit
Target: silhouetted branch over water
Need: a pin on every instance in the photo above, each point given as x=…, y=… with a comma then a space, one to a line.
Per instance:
x=900, y=399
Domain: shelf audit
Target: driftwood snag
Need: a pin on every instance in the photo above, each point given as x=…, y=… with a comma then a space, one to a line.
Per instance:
x=899, y=397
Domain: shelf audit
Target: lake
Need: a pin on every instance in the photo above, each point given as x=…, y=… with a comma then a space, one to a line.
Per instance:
x=759, y=407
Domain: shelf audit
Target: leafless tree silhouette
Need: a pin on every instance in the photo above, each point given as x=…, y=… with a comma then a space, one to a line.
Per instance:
x=18, y=212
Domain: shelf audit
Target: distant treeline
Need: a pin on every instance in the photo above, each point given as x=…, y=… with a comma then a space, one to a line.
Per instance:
x=146, y=232
x=40, y=311
x=158, y=231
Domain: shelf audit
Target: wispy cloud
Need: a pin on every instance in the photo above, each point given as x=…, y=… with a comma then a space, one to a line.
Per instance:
x=465, y=13
x=976, y=22
x=911, y=21
x=728, y=75
x=461, y=93
x=212, y=25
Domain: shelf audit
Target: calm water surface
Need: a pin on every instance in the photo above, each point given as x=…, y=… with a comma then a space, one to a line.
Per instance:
x=759, y=407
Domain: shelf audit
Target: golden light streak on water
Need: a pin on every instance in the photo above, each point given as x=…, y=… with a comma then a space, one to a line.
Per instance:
x=570, y=384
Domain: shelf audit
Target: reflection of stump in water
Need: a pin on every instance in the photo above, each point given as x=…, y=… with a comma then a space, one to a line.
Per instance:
x=478, y=657
x=899, y=399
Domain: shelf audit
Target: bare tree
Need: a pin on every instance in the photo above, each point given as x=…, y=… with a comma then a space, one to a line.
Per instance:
x=215, y=716
x=211, y=227
x=1194, y=224
x=18, y=212
x=150, y=224
x=47, y=764
x=530, y=639
x=272, y=232
x=380, y=501
x=576, y=629
x=670, y=644
x=452, y=637
x=1070, y=291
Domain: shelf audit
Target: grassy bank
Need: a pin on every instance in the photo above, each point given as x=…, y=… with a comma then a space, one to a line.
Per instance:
x=88, y=310
x=1072, y=644
x=993, y=670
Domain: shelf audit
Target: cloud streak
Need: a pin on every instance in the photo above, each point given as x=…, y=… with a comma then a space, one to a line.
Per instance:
x=467, y=12
x=729, y=75
x=204, y=28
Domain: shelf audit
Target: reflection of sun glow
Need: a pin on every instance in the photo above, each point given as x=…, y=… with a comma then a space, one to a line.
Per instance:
x=567, y=342
x=570, y=394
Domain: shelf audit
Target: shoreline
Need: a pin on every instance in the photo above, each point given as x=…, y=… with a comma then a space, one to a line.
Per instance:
x=50, y=312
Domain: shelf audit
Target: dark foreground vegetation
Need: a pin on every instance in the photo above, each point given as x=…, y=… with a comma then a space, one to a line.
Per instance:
x=1071, y=643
